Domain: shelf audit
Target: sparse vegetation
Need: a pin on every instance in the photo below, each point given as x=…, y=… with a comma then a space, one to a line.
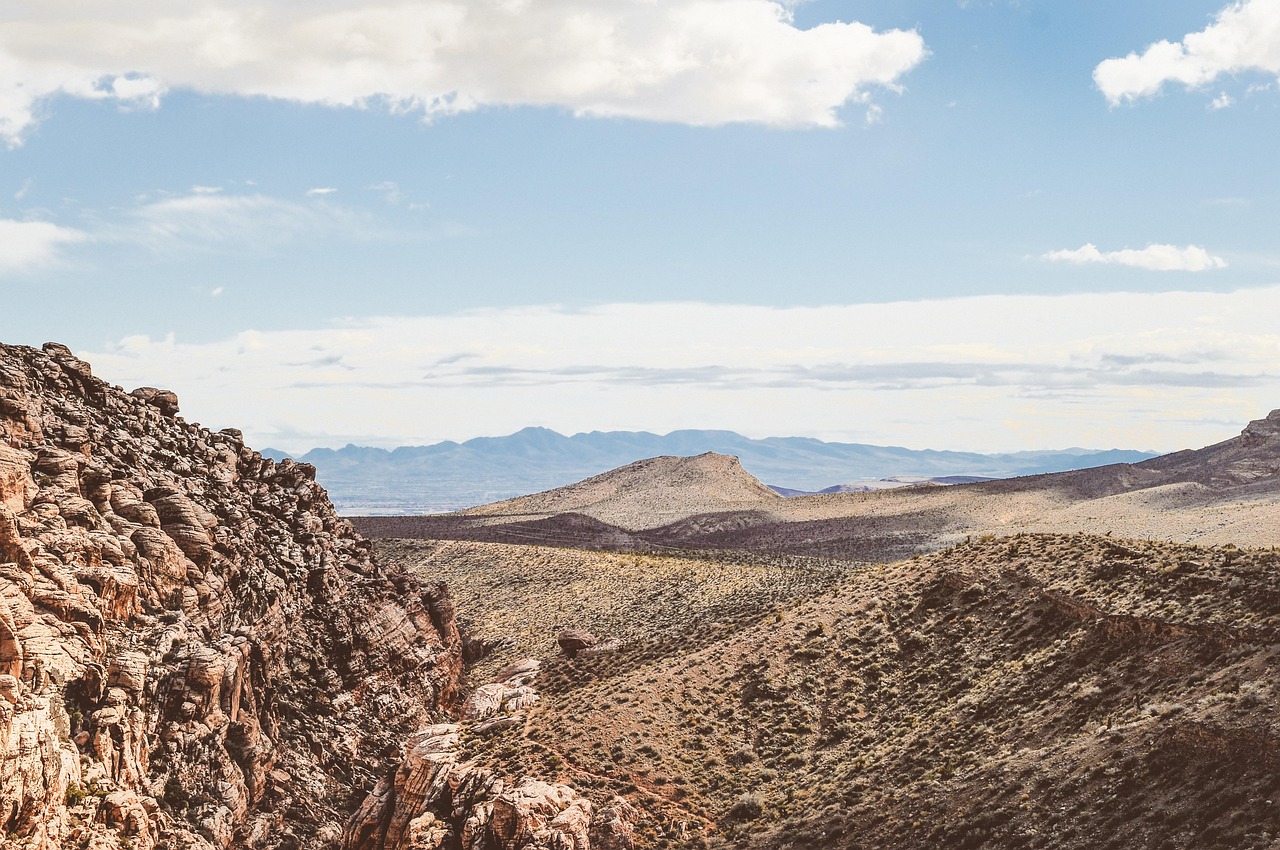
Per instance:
x=1057, y=690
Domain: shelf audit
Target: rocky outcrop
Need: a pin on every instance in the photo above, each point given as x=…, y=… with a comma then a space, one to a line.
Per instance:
x=195, y=650
x=511, y=691
x=435, y=801
x=575, y=641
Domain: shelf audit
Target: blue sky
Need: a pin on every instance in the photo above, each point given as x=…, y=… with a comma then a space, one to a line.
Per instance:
x=179, y=193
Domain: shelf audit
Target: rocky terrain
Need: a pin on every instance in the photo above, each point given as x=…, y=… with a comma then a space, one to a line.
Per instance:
x=197, y=652
x=1037, y=690
x=1080, y=660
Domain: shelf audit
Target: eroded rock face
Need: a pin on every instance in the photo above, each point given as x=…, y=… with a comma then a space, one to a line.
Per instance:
x=195, y=650
x=511, y=692
x=435, y=801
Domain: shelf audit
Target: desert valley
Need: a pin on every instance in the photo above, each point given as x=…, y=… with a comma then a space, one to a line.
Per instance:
x=635, y=425
x=196, y=651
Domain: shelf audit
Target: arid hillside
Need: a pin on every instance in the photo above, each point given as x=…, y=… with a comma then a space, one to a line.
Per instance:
x=1039, y=690
x=1037, y=662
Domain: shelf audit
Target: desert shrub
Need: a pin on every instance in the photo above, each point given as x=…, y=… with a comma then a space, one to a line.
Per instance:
x=748, y=806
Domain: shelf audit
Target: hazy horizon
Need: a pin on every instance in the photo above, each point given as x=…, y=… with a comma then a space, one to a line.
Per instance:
x=984, y=226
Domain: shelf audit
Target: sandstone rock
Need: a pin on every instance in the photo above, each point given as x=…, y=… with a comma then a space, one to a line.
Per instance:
x=519, y=672
x=573, y=641
x=496, y=698
x=432, y=800
x=536, y=814
x=498, y=724
x=166, y=401
x=17, y=489
x=612, y=827
x=189, y=621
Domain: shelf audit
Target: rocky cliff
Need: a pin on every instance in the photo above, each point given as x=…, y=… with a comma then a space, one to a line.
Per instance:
x=195, y=650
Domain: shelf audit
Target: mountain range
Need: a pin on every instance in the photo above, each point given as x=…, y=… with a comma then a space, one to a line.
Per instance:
x=449, y=475
x=1223, y=493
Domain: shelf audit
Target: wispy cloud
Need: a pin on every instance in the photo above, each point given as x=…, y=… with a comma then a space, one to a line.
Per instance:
x=26, y=245
x=321, y=191
x=702, y=62
x=1157, y=258
x=1108, y=370
x=1243, y=37
x=208, y=220
x=205, y=220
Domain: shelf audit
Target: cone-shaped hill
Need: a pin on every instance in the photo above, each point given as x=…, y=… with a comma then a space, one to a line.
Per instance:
x=644, y=494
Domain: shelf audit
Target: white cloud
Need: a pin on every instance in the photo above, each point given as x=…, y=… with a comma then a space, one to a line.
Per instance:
x=1222, y=101
x=983, y=373
x=25, y=245
x=320, y=191
x=1245, y=36
x=702, y=62
x=1158, y=258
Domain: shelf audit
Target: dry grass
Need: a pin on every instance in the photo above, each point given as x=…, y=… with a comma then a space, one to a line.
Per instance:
x=518, y=598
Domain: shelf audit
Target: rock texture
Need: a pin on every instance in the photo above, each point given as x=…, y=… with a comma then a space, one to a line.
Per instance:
x=195, y=650
x=435, y=800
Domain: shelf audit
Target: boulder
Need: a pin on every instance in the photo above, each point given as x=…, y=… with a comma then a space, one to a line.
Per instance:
x=574, y=641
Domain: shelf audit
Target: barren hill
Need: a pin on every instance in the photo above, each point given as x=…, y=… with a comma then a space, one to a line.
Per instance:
x=1228, y=492
x=644, y=494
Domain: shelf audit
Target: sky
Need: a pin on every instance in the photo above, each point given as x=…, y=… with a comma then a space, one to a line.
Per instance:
x=987, y=225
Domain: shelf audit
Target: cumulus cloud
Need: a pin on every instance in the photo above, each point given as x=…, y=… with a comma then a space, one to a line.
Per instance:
x=702, y=62
x=984, y=373
x=1157, y=258
x=1244, y=36
x=25, y=245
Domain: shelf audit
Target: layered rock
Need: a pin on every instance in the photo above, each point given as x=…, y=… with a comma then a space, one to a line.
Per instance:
x=195, y=650
x=435, y=801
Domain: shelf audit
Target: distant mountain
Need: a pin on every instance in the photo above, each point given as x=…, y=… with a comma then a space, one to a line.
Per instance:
x=450, y=475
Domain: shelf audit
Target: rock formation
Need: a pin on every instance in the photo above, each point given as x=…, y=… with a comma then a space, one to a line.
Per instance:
x=435, y=801
x=195, y=650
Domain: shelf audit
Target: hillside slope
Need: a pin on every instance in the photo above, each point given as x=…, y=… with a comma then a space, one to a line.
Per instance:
x=194, y=648
x=1037, y=691
x=643, y=494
